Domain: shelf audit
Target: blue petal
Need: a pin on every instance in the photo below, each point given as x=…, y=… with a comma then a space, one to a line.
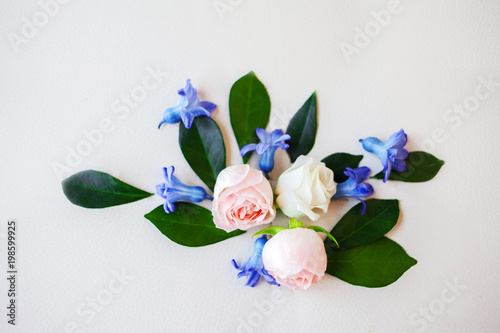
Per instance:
x=359, y=174
x=168, y=207
x=168, y=172
x=268, y=278
x=350, y=173
x=261, y=148
x=175, y=184
x=160, y=190
x=277, y=136
x=362, y=173
x=402, y=154
x=264, y=137
x=187, y=118
x=247, y=148
x=197, y=111
x=190, y=92
x=283, y=146
x=345, y=189
x=384, y=159
x=399, y=165
x=253, y=279
x=242, y=273
x=364, y=190
x=253, y=268
x=397, y=154
x=397, y=140
x=266, y=162
x=209, y=106
x=387, y=169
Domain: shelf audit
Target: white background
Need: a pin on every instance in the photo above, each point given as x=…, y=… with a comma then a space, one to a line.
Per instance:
x=69, y=74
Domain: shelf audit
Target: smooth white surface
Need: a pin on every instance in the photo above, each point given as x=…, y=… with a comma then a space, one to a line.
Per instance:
x=70, y=75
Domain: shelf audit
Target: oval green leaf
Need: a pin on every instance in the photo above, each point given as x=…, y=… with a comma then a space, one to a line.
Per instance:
x=302, y=129
x=203, y=147
x=190, y=225
x=338, y=162
x=420, y=167
x=249, y=109
x=95, y=189
x=374, y=265
x=355, y=229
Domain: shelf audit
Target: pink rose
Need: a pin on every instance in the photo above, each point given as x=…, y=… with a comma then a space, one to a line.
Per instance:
x=296, y=258
x=243, y=198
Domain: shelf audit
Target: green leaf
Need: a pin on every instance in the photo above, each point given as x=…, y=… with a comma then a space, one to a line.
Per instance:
x=203, y=147
x=190, y=225
x=319, y=229
x=249, y=109
x=420, y=167
x=302, y=128
x=95, y=189
x=373, y=265
x=355, y=229
x=338, y=162
x=272, y=230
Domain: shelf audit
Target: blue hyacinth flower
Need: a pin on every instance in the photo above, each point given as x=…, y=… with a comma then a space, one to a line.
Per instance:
x=253, y=268
x=188, y=107
x=391, y=153
x=269, y=143
x=174, y=190
x=354, y=186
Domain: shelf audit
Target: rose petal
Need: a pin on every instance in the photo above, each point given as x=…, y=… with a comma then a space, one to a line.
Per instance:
x=296, y=258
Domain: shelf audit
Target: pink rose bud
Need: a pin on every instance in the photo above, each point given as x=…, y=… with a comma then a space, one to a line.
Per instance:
x=243, y=198
x=296, y=258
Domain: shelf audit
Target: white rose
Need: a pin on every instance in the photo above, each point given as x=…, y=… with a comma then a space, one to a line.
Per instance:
x=306, y=185
x=296, y=258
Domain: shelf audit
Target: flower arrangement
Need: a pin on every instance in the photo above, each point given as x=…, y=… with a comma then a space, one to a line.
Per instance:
x=355, y=250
